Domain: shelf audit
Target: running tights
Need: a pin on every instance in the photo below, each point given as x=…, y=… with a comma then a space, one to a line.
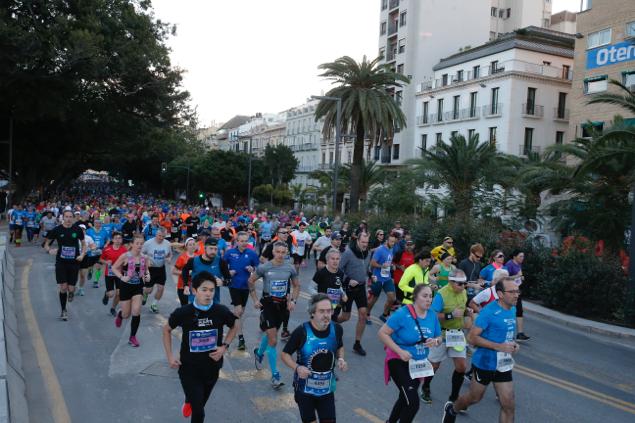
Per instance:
x=197, y=386
x=407, y=405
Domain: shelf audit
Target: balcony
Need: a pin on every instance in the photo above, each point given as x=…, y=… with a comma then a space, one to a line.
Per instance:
x=470, y=113
x=393, y=4
x=326, y=166
x=306, y=169
x=560, y=114
x=532, y=110
x=524, y=150
x=452, y=116
x=393, y=27
x=392, y=55
x=422, y=120
x=492, y=110
x=385, y=158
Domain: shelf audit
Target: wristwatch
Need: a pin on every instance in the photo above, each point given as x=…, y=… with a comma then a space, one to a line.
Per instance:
x=225, y=344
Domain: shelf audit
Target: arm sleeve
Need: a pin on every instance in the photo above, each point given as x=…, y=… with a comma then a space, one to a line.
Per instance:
x=185, y=273
x=224, y=269
x=404, y=282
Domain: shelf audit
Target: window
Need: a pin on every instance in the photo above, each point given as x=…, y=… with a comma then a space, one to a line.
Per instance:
x=599, y=38
x=330, y=157
x=562, y=106
x=628, y=79
x=588, y=130
x=494, y=105
x=400, y=68
x=501, y=13
x=566, y=72
x=454, y=133
x=401, y=47
x=424, y=143
x=494, y=11
x=459, y=76
x=425, y=111
x=402, y=19
x=395, y=152
x=529, y=138
x=492, y=135
x=444, y=79
x=546, y=22
x=377, y=152
x=493, y=67
x=440, y=110
x=384, y=4
x=473, y=97
x=471, y=133
x=630, y=29
x=595, y=85
x=399, y=97
x=456, y=101
x=323, y=157
x=476, y=71
x=439, y=138
x=350, y=157
x=559, y=137
x=382, y=29
x=509, y=13
x=531, y=101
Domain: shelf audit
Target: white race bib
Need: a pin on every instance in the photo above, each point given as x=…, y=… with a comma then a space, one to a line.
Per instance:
x=278, y=289
x=420, y=368
x=385, y=272
x=318, y=383
x=454, y=338
x=504, y=361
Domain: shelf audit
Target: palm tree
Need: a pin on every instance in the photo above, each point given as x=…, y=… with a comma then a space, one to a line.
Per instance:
x=371, y=174
x=625, y=99
x=368, y=108
x=463, y=166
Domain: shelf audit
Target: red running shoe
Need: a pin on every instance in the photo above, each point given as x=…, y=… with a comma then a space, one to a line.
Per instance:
x=186, y=409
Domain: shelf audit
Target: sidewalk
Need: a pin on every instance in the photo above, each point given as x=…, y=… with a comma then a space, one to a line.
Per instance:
x=580, y=323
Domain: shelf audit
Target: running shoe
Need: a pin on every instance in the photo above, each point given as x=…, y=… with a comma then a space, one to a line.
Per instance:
x=522, y=337
x=369, y=322
x=357, y=348
x=383, y=318
x=276, y=383
x=285, y=335
x=80, y=292
x=186, y=409
x=71, y=295
x=154, y=308
x=104, y=300
x=113, y=312
x=449, y=416
x=145, y=299
x=118, y=320
x=258, y=359
x=90, y=274
x=133, y=341
x=95, y=284
x=64, y=315
x=425, y=395
x=241, y=344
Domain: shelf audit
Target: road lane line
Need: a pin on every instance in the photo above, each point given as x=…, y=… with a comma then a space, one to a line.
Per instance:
x=59, y=410
x=368, y=416
x=576, y=389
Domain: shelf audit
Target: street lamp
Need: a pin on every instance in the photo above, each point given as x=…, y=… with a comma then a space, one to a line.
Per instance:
x=10, y=142
x=247, y=137
x=338, y=128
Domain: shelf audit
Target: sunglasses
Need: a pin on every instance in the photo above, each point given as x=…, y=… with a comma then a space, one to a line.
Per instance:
x=460, y=283
x=283, y=233
x=477, y=256
x=500, y=256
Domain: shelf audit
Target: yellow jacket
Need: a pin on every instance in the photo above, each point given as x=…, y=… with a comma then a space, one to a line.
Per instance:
x=413, y=275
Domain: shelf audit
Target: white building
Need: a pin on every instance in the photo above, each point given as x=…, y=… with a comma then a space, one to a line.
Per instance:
x=415, y=35
x=564, y=21
x=512, y=91
x=304, y=137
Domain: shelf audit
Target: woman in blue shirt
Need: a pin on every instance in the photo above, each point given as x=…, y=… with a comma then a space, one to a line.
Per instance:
x=407, y=341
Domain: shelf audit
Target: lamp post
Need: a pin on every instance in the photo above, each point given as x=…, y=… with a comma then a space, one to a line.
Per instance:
x=247, y=137
x=10, y=142
x=338, y=129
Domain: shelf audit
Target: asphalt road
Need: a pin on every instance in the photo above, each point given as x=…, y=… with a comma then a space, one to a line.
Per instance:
x=84, y=371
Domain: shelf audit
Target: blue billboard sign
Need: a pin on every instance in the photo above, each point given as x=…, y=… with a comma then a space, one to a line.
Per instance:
x=610, y=55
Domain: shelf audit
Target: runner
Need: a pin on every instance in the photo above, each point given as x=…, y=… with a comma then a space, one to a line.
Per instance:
x=17, y=222
x=92, y=254
x=446, y=247
x=108, y=257
x=320, y=244
x=101, y=237
x=129, y=227
x=265, y=230
x=335, y=243
x=329, y=280
x=493, y=334
x=381, y=265
x=183, y=288
x=202, y=344
x=151, y=228
x=302, y=243
x=70, y=252
x=318, y=345
x=471, y=266
x=488, y=295
x=496, y=262
x=515, y=269
x=415, y=274
x=401, y=260
x=159, y=250
x=210, y=261
x=450, y=305
x=242, y=262
x=277, y=298
x=441, y=271
x=132, y=270
x=354, y=263
x=47, y=223
x=407, y=351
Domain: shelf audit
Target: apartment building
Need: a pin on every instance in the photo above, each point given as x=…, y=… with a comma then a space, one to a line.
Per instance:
x=512, y=92
x=303, y=136
x=416, y=34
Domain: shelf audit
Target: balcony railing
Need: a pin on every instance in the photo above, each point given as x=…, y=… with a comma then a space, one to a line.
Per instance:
x=470, y=113
x=560, y=113
x=393, y=27
x=392, y=54
x=326, y=166
x=532, y=110
x=453, y=115
x=495, y=109
x=422, y=120
x=524, y=150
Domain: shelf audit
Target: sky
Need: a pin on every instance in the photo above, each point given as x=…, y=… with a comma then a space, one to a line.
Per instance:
x=250, y=56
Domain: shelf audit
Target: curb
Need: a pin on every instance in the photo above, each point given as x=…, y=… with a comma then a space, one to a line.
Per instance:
x=579, y=323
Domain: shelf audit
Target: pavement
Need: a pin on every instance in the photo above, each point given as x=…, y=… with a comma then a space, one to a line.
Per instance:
x=84, y=371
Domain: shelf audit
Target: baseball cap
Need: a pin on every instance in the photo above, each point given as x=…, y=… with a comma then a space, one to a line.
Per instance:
x=336, y=235
x=211, y=241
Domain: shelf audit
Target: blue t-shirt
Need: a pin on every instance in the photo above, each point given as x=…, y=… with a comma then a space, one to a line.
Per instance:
x=382, y=255
x=265, y=230
x=406, y=333
x=499, y=325
x=487, y=273
x=100, y=237
x=238, y=261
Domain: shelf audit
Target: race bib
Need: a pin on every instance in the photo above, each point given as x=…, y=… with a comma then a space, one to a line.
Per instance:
x=67, y=252
x=455, y=339
x=278, y=289
x=504, y=361
x=174, y=230
x=420, y=368
x=158, y=255
x=385, y=272
x=203, y=340
x=318, y=383
x=335, y=295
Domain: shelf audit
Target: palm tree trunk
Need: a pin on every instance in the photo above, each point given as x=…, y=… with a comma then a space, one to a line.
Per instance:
x=356, y=167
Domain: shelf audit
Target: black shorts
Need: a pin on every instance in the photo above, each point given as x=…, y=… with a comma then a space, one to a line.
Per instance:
x=112, y=283
x=157, y=276
x=92, y=260
x=66, y=271
x=273, y=314
x=519, y=307
x=357, y=295
x=85, y=263
x=127, y=290
x=239, y=296
x=297, y=259
x=484, y=377
x=310, y=404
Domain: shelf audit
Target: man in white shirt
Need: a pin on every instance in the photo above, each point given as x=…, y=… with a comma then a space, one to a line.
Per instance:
x=302, y=241
x=321, y=243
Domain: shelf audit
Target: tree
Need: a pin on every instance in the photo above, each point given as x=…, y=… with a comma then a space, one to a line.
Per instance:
x=397, y=194
x=280, y=164
x=623, y=98
x=463, y=166
x=368, y=109
x=370, y=175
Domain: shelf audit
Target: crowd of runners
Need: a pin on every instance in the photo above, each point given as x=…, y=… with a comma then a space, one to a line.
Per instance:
x=438, y=307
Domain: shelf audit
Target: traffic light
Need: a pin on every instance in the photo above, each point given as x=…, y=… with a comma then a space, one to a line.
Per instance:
x=164, y=167
x=201, y=195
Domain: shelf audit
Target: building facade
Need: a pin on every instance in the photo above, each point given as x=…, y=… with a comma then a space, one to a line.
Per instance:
x=304, y=136
x=512, y=92
x=415, y=35
x=604, y=50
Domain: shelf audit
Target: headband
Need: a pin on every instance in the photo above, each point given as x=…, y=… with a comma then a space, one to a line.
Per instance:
x=457, y=278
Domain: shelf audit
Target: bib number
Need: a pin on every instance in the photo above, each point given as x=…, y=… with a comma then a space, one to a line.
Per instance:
x=67, y=252
x=455, y=339
x=385, y=272
x=335, y=295
x=278, y=289
x=203, y=340
x=318, y=383
x=420, y=368
x=504, y=362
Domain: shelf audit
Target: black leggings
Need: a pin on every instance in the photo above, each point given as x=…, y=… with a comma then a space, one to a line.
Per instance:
x=183, y=299
x=197, y=385
x=407, y=405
